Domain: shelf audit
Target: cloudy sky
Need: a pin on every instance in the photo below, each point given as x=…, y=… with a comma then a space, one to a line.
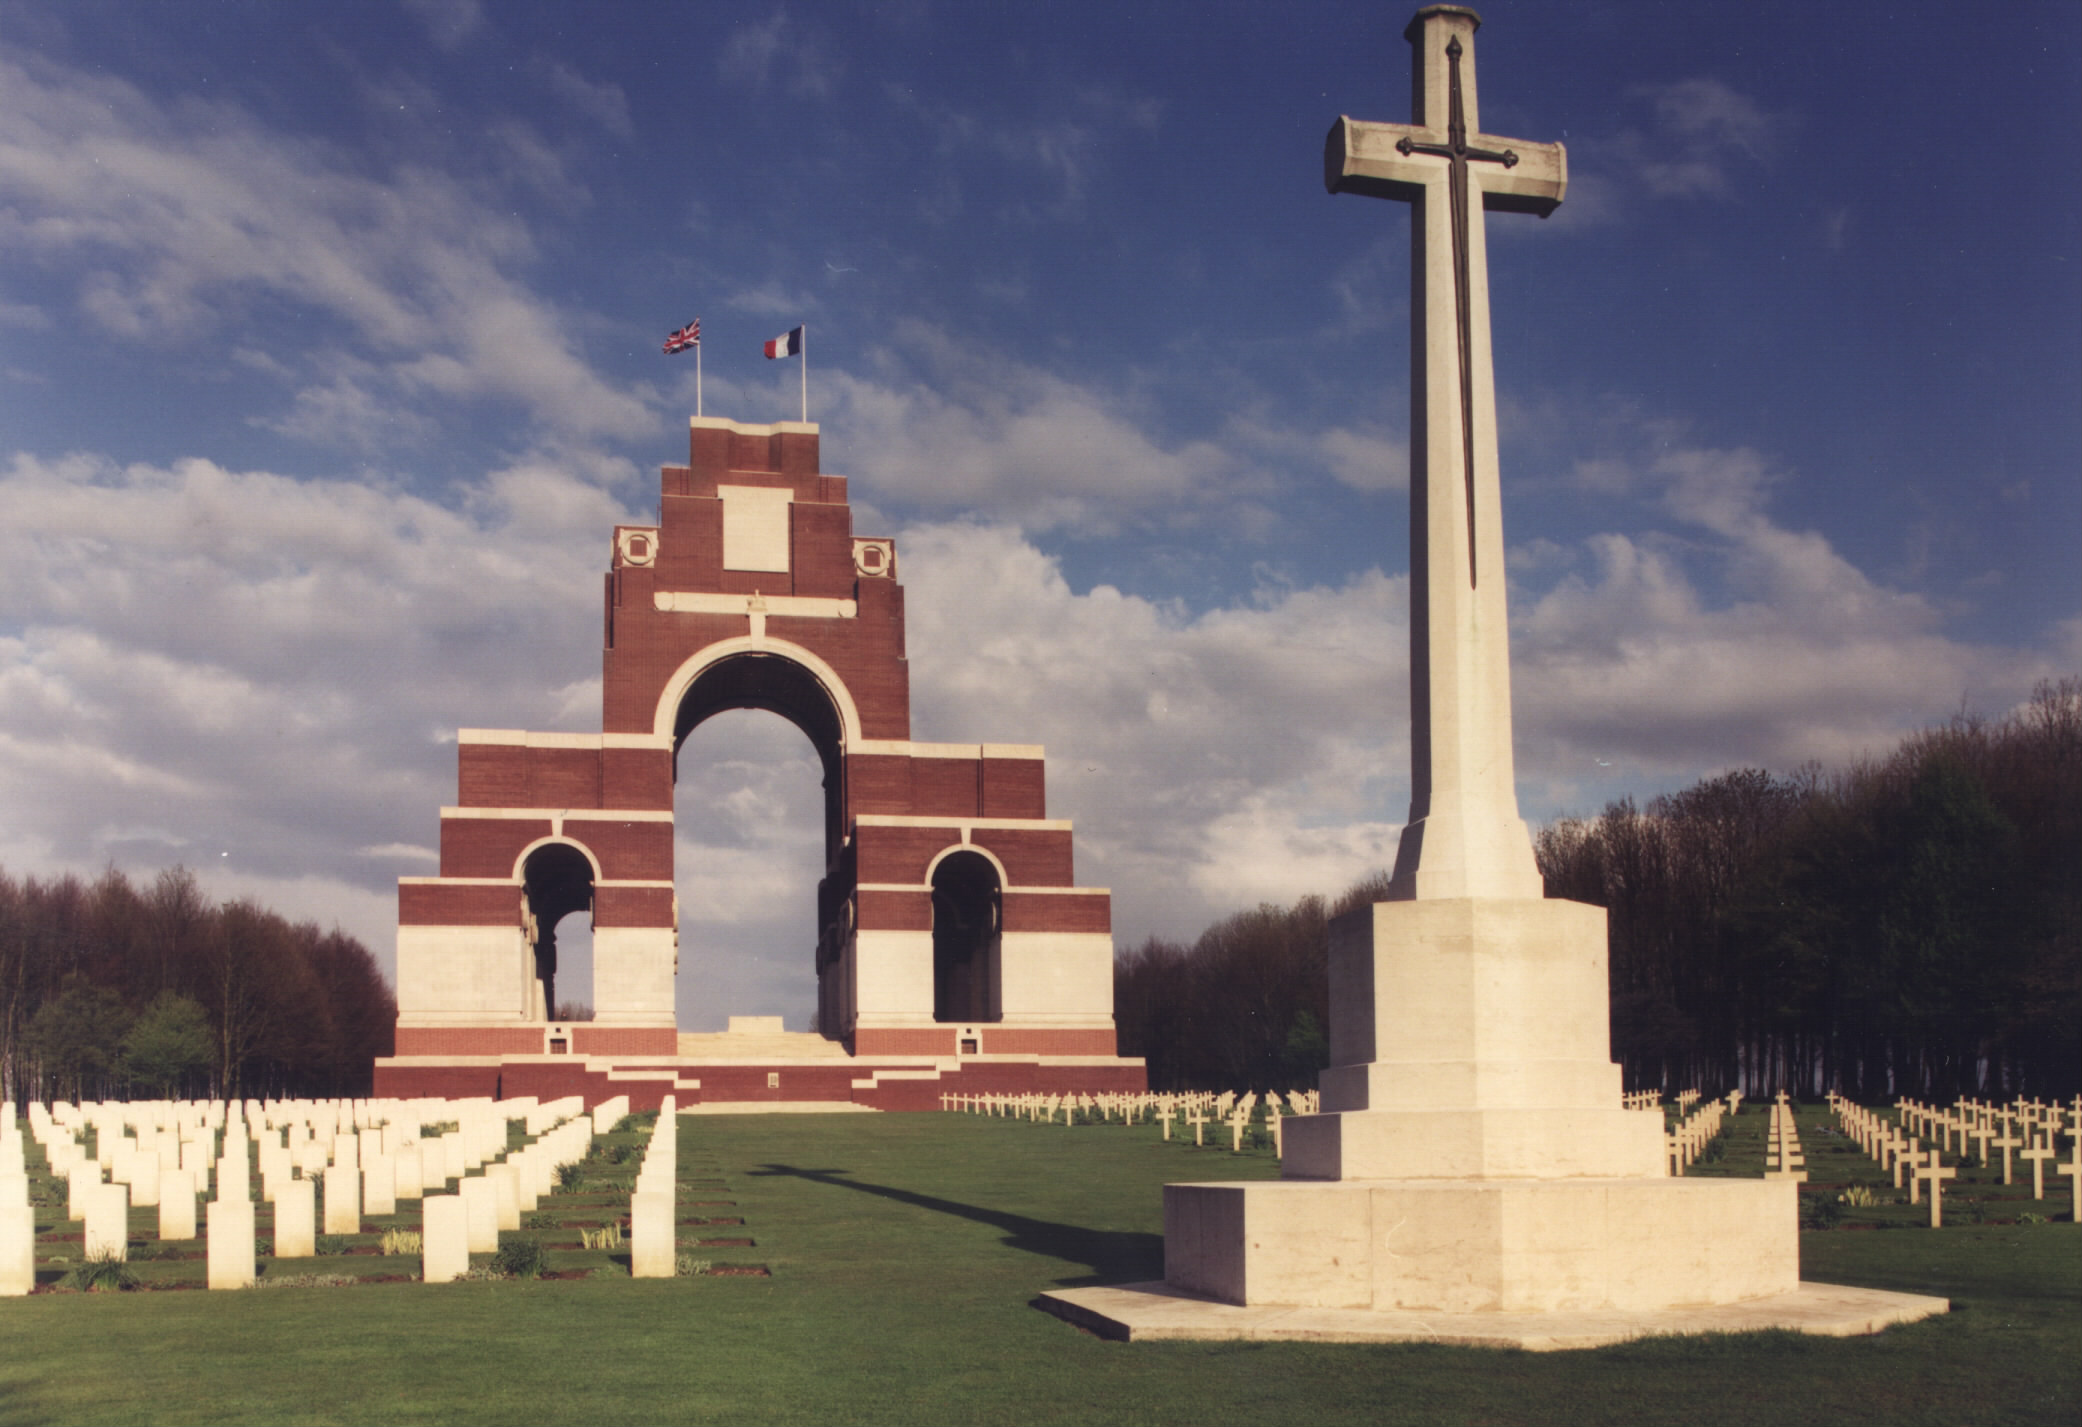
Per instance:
x=329, y=356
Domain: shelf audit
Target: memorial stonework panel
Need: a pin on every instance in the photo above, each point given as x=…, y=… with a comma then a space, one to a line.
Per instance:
x=752, y=591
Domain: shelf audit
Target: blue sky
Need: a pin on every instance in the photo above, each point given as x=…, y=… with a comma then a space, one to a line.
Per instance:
x=329, y=355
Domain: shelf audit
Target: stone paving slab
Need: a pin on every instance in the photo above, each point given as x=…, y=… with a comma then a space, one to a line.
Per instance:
x=1147, y=1311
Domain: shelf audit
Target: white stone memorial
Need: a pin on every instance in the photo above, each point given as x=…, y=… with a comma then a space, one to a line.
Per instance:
x=108, y=1222
x=176, y=1206
x=17, y=1237
x=1473, y=1174
x=379, y=1184
x=343, y=1199
x=652, y=1251
x=230, y=1247
x=505, y=1194
x=296, y=1219
x=481, y=1203
x=444, y=1238
x=411, y=1179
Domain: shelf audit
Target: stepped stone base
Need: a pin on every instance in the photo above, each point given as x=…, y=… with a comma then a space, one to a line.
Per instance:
x=1484, y=1246
x=1148, y=1311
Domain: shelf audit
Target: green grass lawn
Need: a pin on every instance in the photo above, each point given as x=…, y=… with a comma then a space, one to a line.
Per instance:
x=904, y=1254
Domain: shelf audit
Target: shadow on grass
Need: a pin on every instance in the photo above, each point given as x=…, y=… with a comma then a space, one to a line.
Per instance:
x=1112, y=1256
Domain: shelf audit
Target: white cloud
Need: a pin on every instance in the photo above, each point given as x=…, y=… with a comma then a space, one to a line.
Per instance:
x=1698, y=135
x=1802, y=657
x=1367, y=460
x=448, y=22
x=253, y=674
x=603, y=102
x=172, y=217
x=1243, y=753
x=972, y=430
x=780, y=52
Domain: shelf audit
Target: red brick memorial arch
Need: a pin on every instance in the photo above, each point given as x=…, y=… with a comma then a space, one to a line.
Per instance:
x=955, y=952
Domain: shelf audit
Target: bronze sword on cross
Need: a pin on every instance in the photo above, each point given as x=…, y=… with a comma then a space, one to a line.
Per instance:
x=1458, y=155
x=1356, y=161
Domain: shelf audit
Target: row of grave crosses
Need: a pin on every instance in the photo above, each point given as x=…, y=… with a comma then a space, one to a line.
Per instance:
x=1195, y=1108
x=364, y=1155
x=1782, y=1155
x=1994, y=1127
x=1683, y=1099
x=1688, y=1138
x=2029, y=1124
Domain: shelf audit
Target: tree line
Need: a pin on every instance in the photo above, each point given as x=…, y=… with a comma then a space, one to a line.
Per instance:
x=1911, y=925
x=110, y=990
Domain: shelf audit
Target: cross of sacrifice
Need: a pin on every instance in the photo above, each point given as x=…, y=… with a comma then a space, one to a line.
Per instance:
x=1463, y=837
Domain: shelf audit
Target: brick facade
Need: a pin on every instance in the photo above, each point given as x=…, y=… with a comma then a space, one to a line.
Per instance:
x=812, y=628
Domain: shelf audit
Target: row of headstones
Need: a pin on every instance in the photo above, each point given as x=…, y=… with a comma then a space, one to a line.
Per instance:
x=367, y=1153
x=486, y=1203
x=1905, y=1155
x=455, y=1226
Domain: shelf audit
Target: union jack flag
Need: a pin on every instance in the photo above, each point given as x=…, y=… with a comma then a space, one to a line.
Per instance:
x=687, y=336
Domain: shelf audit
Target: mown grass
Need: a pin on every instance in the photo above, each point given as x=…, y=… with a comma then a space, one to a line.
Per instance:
x=905, y=1252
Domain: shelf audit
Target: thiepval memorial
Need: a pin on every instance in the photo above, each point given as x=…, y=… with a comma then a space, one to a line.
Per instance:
x=956, y=952
x=1474, y=1175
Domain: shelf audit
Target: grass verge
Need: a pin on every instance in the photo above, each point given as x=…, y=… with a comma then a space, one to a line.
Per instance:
x=905, y=1251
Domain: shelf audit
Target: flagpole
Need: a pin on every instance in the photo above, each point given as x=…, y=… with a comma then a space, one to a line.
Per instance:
x=806, y=374
x=697, y=377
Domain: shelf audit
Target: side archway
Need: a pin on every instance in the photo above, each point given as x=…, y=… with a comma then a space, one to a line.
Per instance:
x=968, y=927
x=556, y=880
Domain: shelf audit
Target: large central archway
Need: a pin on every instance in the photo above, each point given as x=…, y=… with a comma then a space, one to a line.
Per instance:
x=778, y=684
x=755, y=953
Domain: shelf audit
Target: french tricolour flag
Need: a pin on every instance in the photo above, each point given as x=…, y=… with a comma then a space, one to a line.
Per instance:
x=787, y=344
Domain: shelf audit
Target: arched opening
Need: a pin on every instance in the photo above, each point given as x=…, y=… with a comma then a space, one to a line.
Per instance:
x=777, y=685
x=557, y=880
x=759, y=820
x=967, y=919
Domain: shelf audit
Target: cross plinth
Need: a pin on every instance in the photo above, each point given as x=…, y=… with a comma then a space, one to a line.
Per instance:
x=1464, y=837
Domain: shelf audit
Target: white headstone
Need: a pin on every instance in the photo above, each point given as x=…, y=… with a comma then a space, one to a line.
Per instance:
x=176, y=1205
x=379, y=1184
x=108, y=1222
x=343, y=1199
x=652, y=1250
x=481, y=1201
x=230, y=1229
x=444, y=1238
x=296, y=1219
x=17, y=1237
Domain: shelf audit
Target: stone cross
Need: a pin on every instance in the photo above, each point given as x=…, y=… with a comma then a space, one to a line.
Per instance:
x=1937, y=1174
x=2006, y=1142
x=2038, y=1154
x=1464, y=837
